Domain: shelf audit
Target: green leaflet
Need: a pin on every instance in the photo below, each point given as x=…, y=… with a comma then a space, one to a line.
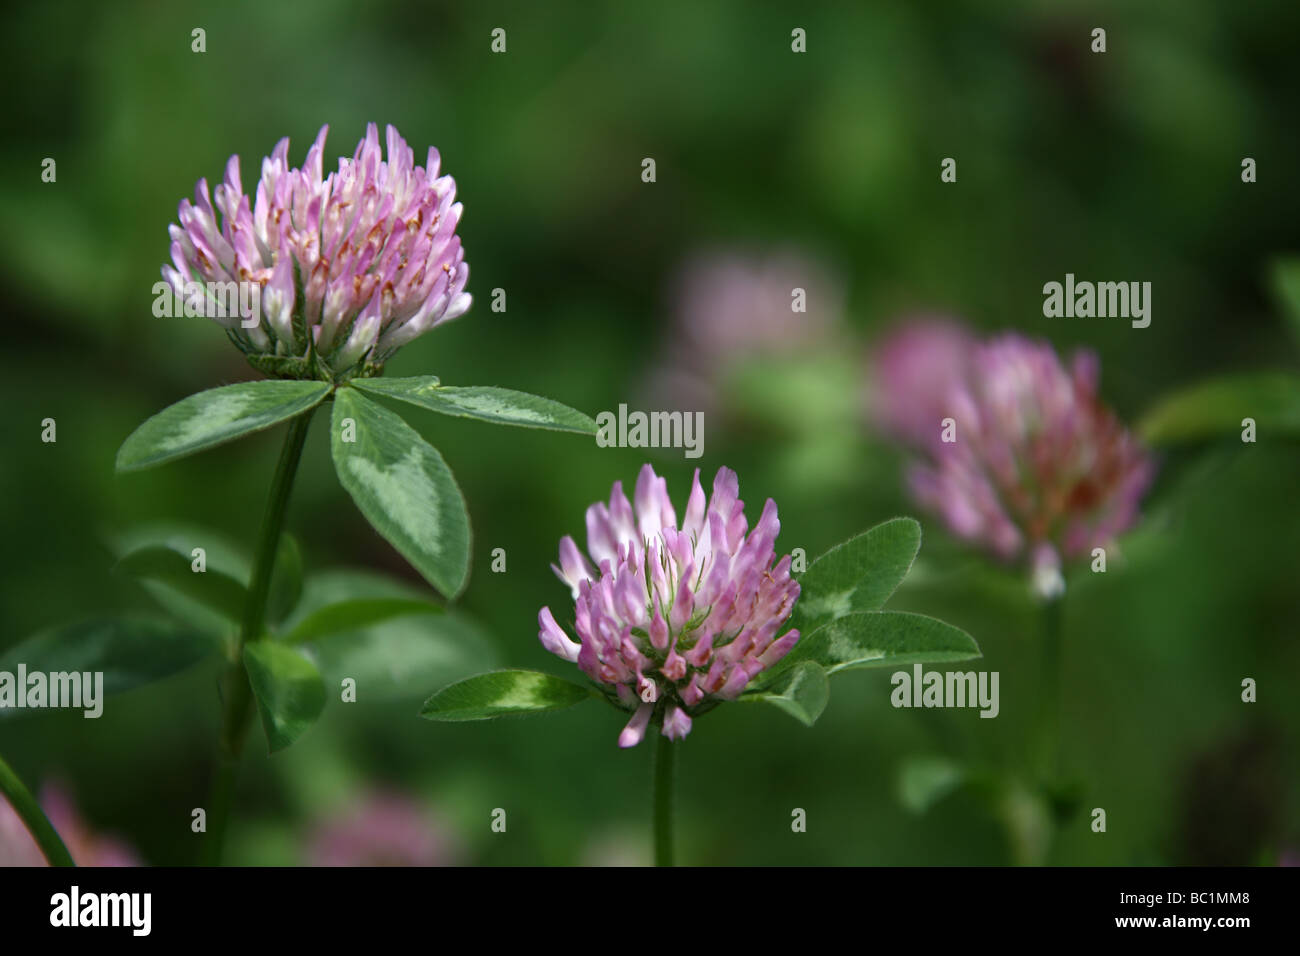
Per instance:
x=288, y=688
x=211, y=588
x=803, y=693
x=503, y=693
x=130, y=650
x=215, y=416
x=858, y=575
x=881, y=639
x=403, y=487
x=1216, y=408
x=501, y=406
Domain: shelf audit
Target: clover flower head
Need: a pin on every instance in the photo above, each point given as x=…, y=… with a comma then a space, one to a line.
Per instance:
x=347, y=268
x=672, y=620
x=732, y=300
x=1040, y=468
x=734, y=305
x=911, y=376
x=380, y=829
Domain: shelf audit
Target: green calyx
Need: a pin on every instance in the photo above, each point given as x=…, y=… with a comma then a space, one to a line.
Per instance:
x=309, y=368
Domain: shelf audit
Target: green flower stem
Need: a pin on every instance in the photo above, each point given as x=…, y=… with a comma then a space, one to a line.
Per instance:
x=1050, y=719
x=238, y=710
x=665, y=767
x=1049, y=731
x=33, y=817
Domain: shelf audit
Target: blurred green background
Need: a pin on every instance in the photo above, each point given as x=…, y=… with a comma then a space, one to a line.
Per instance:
x=1124, y=165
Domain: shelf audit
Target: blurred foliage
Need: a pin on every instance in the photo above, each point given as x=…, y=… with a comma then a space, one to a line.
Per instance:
x=1117, y=166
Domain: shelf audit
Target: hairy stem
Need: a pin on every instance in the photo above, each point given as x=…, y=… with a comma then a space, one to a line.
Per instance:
x=33, y=817
x=1050, y=719
x=1049, y=730
x=665, y=768
x=238, y=708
